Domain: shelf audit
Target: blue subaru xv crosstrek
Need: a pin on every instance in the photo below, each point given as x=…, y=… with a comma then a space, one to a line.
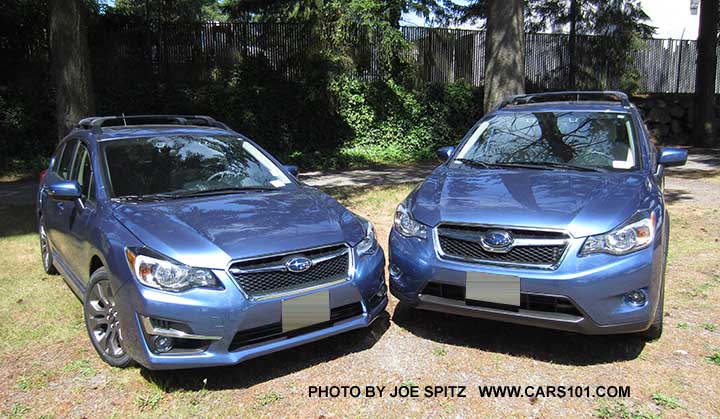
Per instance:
x=550, y=212
x=190, y=246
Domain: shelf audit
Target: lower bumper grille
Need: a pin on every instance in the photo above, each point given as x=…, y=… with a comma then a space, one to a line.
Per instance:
x=532, y=302
x=269, y=275
x=274, y=331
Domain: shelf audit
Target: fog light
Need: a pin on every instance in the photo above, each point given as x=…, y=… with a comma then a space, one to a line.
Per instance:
x=394, y=271
x=636, y=298
x=163, y=344
x=382, y=291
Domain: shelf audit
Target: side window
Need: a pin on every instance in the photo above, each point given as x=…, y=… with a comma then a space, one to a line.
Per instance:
x=82, y=173
x=57, y=157
x=63, y=168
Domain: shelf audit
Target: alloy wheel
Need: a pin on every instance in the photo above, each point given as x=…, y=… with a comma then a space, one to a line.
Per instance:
x=102, y=319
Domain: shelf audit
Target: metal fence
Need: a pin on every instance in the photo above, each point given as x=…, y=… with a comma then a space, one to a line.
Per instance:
x=197, y=51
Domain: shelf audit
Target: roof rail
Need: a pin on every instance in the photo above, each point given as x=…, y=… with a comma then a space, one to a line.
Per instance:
x=569, y=96
x=95, y=123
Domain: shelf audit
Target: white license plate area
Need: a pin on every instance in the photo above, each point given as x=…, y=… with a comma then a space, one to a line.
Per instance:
x=305, y=311
x=503, y=290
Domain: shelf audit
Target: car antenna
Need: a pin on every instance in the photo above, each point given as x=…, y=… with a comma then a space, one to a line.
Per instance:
x=123, y=117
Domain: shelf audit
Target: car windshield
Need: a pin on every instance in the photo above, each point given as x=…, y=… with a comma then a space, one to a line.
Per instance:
x=181, y=165
x=574, y=140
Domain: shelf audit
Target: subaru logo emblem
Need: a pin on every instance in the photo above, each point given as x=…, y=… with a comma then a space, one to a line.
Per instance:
x=496, y=241
x=298, y=264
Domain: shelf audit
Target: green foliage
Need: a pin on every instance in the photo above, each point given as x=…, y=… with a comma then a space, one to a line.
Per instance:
x=666, y=401
x=715, y=358
x=393, y=123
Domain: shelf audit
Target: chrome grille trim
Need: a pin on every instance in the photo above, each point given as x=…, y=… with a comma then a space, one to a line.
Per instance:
x=277, y=267
x=534, y=238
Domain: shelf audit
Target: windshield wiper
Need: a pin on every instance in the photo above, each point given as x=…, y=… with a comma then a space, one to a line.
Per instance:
x=486, y=165
x=478, y=163
x=148, y=197
x=566, y=166
x=223, y=191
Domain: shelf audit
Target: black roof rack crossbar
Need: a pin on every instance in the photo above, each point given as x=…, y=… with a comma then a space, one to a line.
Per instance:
x=578, y=95
x=96, y=123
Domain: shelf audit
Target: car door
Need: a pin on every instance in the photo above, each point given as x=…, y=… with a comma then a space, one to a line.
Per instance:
x=83, y=217
x=56, y=213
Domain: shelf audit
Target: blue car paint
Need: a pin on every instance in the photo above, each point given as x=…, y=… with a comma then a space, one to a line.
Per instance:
x=578, y=203
x=206, y=232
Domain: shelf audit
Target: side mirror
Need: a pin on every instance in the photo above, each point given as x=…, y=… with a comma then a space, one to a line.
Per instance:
x=292, y=169
x=669, y=156
x=443, y=153
x=65, y=190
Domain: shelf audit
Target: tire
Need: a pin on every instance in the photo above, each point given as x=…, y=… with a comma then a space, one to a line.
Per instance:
x=45, y=253
x=656, y=329
x=101, y=321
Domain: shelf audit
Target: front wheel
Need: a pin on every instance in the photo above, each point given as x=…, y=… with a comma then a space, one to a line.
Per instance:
x=656, y=329
x=101, y=320
x=45, y=253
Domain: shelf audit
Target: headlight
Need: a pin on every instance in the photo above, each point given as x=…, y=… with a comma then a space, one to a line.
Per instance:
x=406, y=225
x=368, y=244
x=163, y=274
x=637, y=233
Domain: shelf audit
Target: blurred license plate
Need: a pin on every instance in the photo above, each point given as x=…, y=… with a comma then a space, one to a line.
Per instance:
x=494, y=289
x=305, y=311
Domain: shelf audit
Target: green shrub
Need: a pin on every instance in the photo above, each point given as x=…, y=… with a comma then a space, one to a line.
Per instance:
x=392, y=123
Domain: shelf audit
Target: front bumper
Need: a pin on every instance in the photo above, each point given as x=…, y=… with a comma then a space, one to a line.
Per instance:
x=221, y=316
x=595, y=286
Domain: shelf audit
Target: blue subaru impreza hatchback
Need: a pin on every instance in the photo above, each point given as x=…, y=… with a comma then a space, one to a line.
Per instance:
x=550, y=213
x=190, y=246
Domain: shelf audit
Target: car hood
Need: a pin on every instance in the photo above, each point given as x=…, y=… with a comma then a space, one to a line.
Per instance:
x=582, y=203
x=211, y=231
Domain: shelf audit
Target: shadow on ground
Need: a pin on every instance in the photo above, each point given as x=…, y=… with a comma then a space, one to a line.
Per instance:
x=673, y=196
x=259, y=370
x=545, y=345
x=17, y=220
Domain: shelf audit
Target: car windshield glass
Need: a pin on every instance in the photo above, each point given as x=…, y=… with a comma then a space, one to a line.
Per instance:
x=559, y=140
x=186, y=164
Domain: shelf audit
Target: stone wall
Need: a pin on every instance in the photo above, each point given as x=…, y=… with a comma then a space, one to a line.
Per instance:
x=668, y=116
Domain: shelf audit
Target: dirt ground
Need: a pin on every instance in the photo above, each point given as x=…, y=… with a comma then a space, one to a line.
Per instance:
x=48, y=368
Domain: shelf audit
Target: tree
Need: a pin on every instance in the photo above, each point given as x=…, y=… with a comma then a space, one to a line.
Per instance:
x=704, y=129
x=171, y=11
x=504, y=51
x=70, y=63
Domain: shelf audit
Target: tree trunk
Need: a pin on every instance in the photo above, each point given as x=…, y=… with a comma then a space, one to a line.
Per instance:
x=70, y=62
x=572, y=43
x=704, y=112
x=504, y=51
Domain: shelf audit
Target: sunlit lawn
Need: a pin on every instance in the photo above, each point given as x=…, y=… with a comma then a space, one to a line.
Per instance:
x=47, y=366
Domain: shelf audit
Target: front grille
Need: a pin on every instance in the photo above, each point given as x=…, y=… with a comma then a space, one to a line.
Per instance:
x=268, y=275
x=463, y=242
x=533, y=302
x=274, y=331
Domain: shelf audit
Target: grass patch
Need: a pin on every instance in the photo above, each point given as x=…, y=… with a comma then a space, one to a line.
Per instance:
x=682, y=325
x=439, y=351
x=80, y=367
x=715, y=358
x=148, y=401
x=619, y=410
x=36, y=309
x=710, y=327
x=665, y=401
x=266, y=399
x=17, y=410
